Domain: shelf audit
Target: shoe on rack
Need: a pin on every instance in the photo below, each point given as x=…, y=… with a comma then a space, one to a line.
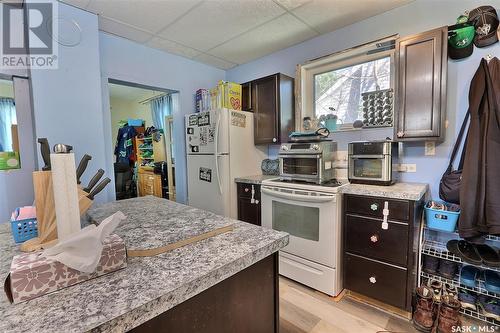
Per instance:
x=469, y=275
x=489, y=307
x=447, y=268
x=468, y=299
x=430, y=264
x=491, y=281
x=448, y=315
x=465, y=250
x=489, y=255
x=426, y=310
x=450, y=290
x=437, y=289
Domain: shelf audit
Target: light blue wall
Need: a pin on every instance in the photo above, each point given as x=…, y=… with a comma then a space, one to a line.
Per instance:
x=67, y=101
x=124, y=60
x=415, y=17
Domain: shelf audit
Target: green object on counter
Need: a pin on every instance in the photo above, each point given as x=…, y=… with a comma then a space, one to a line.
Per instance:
x=9, y=160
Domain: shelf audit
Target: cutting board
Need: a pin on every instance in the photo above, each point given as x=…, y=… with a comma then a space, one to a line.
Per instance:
x=155, y=225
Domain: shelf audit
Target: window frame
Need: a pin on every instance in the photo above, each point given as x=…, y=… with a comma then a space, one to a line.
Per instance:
x=306, y=73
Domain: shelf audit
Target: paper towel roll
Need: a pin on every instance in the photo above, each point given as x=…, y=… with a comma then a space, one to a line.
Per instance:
x=65, y=194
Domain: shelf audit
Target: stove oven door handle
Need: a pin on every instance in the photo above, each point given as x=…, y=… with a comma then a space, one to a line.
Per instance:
x=299, y=197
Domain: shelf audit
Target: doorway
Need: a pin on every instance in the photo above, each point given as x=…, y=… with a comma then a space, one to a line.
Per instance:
x=142, y=145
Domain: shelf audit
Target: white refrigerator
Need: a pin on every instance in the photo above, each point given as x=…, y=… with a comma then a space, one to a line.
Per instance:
x=220, y=147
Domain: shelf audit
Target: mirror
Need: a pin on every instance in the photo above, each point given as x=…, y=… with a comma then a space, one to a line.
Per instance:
x=9, y=141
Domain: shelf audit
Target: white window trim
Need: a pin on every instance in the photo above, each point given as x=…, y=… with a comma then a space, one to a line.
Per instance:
x=305, y=75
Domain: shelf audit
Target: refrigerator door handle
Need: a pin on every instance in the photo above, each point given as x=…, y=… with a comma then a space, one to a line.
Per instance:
x=216, y=151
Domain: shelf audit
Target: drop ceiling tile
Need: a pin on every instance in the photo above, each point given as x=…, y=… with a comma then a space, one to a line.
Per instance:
x=123, y=30
x=77, y=3
x=215, y=21
x=278, y=34
x=292, y=4
x=172, y=47
x=147, y=15
x=214, y=61
x=329, y=15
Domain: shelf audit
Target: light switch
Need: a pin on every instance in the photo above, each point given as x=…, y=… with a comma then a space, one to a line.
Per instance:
x=430, y=148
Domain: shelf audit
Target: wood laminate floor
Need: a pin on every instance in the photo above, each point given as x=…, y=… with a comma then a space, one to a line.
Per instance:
x=304, y=310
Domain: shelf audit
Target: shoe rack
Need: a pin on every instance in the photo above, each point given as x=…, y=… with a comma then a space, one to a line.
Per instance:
x=433, y=243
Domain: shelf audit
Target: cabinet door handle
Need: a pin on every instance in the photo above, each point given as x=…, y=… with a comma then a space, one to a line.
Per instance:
x=246, y=189
x=400, y=134
x=373, y=279
x=374, y=207
x=274, y=140
x=374, y=238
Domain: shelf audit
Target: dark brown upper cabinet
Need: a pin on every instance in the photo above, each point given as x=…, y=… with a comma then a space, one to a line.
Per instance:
x=271, y=99
x=421, y=62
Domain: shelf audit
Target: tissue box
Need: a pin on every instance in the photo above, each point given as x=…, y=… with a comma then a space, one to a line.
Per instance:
x=32, y=275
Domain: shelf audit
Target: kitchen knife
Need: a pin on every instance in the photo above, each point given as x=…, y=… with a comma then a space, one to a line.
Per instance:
x=94, y=180
x=82, y=166
x=98, y=188
x=45, y=151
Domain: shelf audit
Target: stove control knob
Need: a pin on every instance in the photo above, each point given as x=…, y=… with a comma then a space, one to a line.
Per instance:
x=284, y=147
x=315, y=147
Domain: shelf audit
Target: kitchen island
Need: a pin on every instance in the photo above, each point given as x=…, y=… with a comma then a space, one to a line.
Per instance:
x=225, y=283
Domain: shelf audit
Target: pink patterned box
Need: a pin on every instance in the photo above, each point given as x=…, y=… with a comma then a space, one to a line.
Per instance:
x=32, y=275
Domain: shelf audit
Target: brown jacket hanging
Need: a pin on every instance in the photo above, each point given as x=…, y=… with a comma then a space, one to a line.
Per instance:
x=480, y=187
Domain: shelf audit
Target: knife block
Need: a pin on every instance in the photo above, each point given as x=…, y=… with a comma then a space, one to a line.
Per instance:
x=46, y=213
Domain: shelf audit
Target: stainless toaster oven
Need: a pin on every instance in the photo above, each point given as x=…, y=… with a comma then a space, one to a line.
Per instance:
x=373, y=162
x=310, y=162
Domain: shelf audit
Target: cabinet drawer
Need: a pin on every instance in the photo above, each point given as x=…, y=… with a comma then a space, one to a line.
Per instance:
x=245, y=191
x=374, y=279
x=366, y=237
x=373, y=206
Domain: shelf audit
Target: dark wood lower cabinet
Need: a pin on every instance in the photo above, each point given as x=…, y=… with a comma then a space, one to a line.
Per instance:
x=249, y=211
x=379, y=262
x=246, y=302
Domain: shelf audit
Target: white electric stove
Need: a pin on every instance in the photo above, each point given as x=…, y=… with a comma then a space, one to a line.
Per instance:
x=310, y=213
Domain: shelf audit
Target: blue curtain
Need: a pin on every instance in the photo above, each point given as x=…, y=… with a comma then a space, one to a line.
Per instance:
x=7, y=119
x=160, y=108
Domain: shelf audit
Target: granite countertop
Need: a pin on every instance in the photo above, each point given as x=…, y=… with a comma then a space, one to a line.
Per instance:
x=257, y=179
x=405, y=191
x=149, y=286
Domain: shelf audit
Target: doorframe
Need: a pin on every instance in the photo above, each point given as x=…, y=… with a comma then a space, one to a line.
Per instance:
x=106, y=110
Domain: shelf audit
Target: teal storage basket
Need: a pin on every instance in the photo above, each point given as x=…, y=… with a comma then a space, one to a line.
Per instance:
x=22, y=230
x=441, y=220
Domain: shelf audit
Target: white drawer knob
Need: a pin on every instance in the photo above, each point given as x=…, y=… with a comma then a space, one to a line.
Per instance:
x=374, y=207
x=374, y=238
x=247, y=189
x=373, y=279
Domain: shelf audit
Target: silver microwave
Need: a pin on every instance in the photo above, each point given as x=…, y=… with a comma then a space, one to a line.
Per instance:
x=311, y=162
x=373, y=162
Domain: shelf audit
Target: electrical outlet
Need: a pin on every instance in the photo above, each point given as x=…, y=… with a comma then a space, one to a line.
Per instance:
x=411, y=168
x=430, y=148
x=407, y=168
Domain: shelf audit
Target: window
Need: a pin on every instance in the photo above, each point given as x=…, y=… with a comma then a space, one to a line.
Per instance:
x=333, y=85
x=339, y=91
x=9, y=141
